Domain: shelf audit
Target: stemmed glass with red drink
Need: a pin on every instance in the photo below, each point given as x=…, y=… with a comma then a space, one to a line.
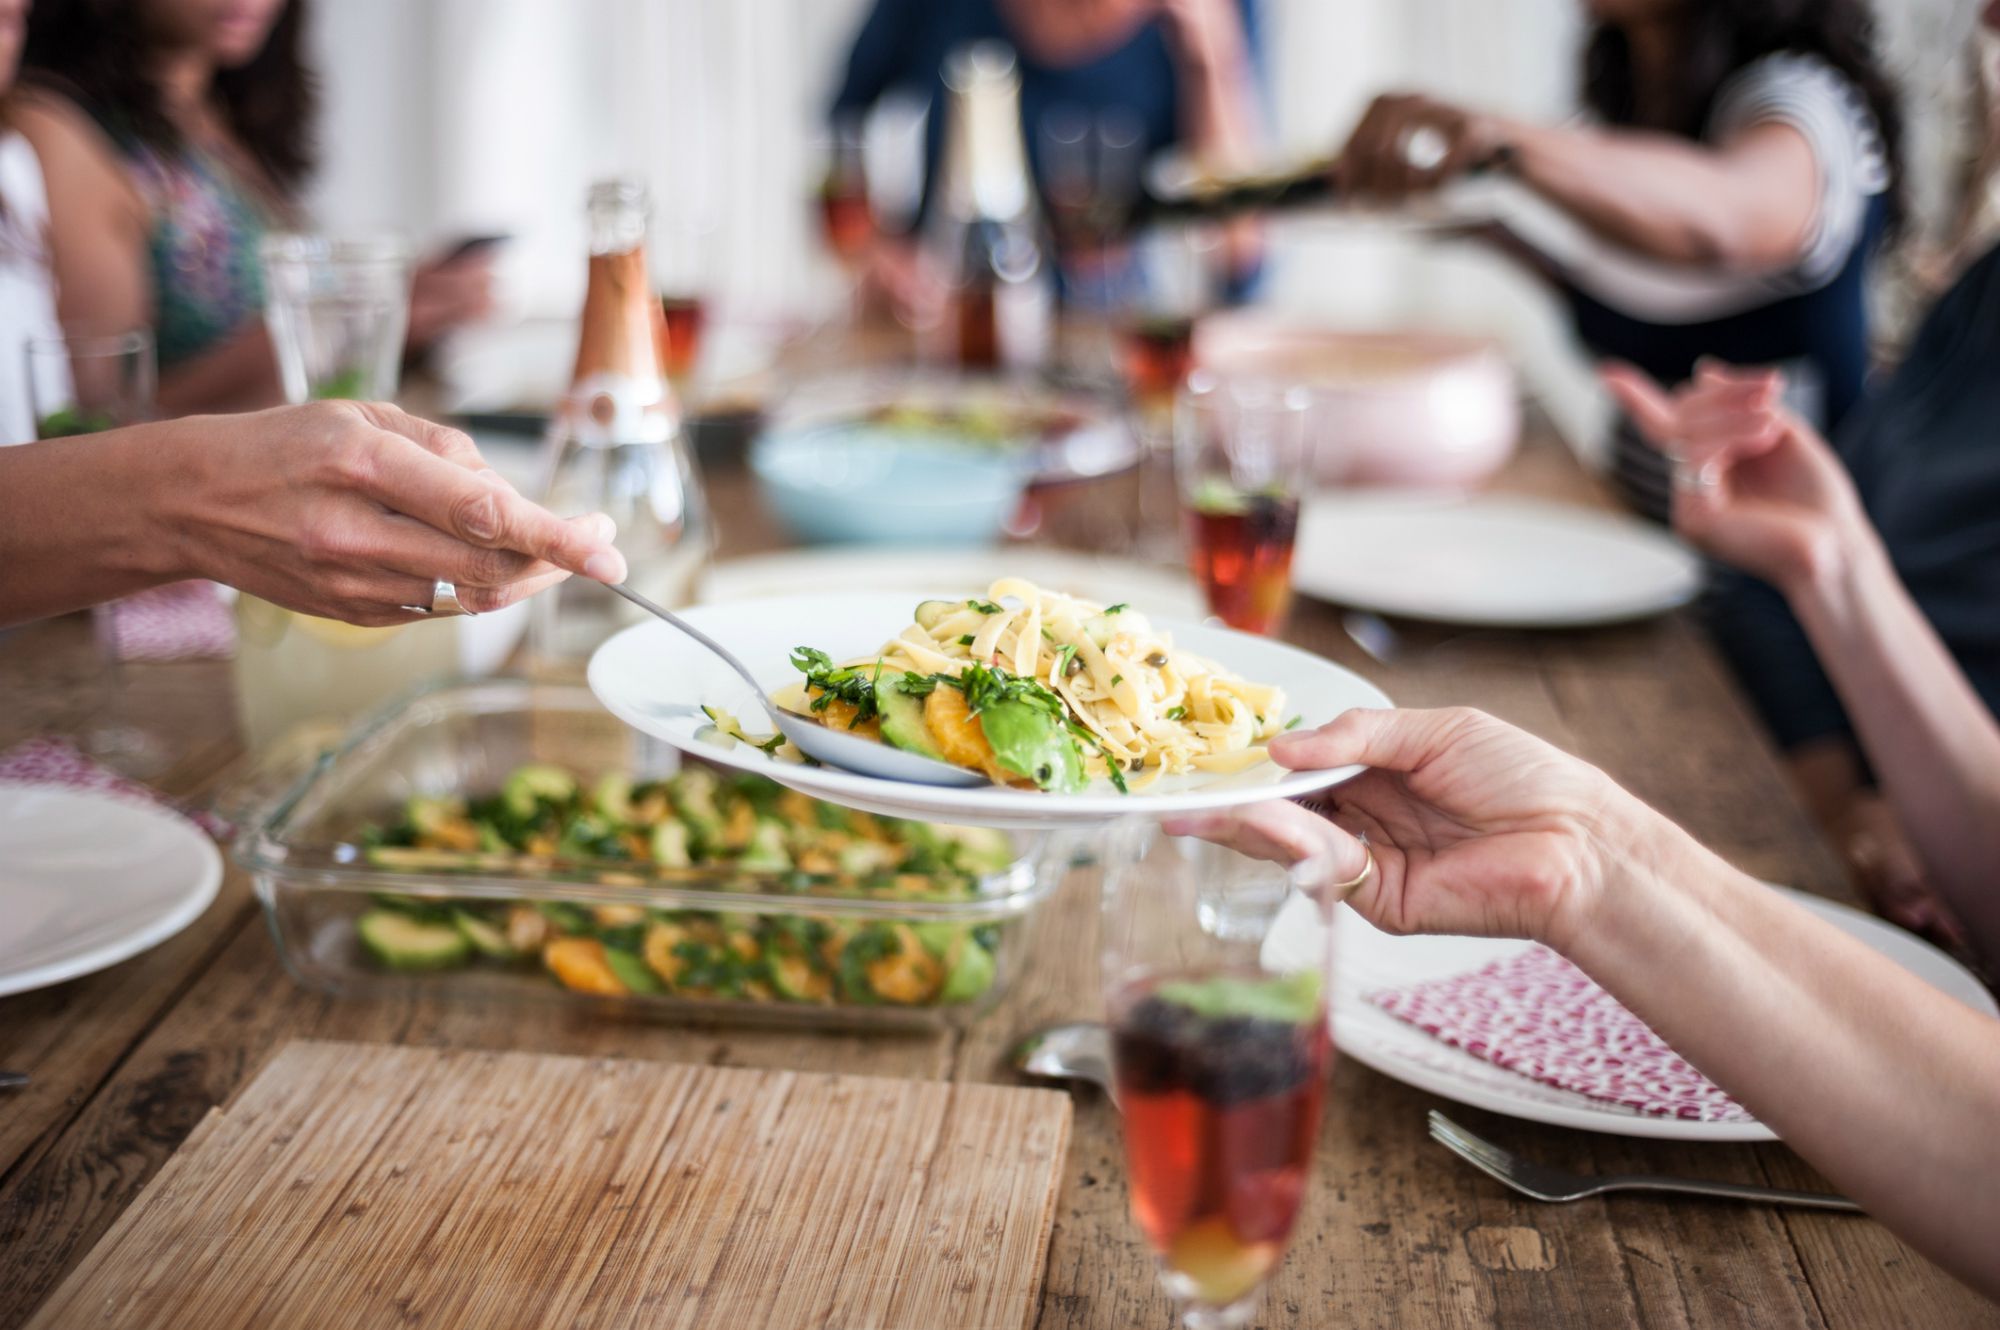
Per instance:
x=1241, y=457
x=1220, y=1052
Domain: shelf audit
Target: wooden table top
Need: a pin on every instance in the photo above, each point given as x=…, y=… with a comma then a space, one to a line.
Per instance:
x=1396, y=1231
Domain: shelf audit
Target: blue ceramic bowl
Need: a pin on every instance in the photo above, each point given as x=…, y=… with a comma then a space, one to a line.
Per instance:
x=856, y=483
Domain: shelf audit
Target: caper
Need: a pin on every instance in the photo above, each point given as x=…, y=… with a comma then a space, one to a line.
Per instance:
x=1158, y=660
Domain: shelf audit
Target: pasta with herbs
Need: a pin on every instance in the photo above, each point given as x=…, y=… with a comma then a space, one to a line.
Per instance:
x=966, y=678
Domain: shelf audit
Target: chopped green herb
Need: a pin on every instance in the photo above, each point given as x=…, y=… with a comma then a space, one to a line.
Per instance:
x=917, y=685
x=1119, y=608
x=984, y=606
x=1065, y=661
x=1177, y=713
x=1294, y=722
x=1117, y=679
x=838, y=682
x=965, y=639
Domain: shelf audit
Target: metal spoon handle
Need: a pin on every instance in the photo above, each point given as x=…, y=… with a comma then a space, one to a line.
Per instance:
x=728, y=656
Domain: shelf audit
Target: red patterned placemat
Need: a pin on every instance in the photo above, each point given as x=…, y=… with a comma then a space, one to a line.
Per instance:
x=1537, y=1014
x=52, y=761
x=179, y=621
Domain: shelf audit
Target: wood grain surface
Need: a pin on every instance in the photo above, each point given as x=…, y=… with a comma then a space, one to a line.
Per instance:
x=1395, y=1231
x=360, y=1185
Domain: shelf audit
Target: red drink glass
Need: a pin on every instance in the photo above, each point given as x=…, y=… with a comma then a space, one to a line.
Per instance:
x=1220, y=1053
x=682, y=319
x=1240, y=453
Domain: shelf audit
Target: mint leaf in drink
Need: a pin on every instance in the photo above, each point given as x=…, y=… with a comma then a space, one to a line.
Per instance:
x=348, y=385
x=68, y=422
x=1293, y=998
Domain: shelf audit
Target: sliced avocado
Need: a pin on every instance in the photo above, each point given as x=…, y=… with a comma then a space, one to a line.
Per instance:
x=427, y=814
x=931, y=613
x=766, y=848
x=969, y=974
x=613, y=797
x=980, y=849
x=1030, y=742
x=632, y=971
x=487, y=938
x=670, y=845
x=692, y=793
x=794, y=976
x=531, y=784
x=903, y=723
x=404, y=943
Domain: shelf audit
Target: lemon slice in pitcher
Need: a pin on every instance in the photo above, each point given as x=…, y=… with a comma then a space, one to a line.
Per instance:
x=346, y=636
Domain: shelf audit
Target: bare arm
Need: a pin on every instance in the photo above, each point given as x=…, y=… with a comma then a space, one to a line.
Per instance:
x=1219, y=116
x=1747, y=202
x=1883, y=1083
x=348, y=510
x=1778, y=502
x=98, y=238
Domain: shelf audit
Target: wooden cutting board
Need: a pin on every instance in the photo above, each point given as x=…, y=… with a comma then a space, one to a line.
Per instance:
x=370, y=1185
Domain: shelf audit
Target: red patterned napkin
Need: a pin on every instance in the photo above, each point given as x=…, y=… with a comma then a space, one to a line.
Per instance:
x=179, y=621
x=1537, y=1014
x=52, y=761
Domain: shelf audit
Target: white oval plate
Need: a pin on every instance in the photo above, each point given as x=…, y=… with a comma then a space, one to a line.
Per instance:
x=1368, y=960
x=656, y=680
x=921, y=573
x=88, y=880
x=1488, y=561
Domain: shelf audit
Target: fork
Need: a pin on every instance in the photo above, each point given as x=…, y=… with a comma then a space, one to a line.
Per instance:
x=1553, y=1184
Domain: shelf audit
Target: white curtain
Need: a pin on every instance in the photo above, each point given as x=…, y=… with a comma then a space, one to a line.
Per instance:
x=452, y=117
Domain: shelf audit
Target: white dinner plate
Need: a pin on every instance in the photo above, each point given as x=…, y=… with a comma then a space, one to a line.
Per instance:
x=88, y=880
x=657, y=680
x=1368, y=960
x=919, y=573
x=1490, y=561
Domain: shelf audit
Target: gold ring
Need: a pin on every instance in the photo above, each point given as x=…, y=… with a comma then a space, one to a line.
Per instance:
x=1342, y=890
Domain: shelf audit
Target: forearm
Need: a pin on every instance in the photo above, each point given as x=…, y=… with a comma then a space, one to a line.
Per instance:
x=239, y=374
x=78, y=523
x=1881, y=1082
x=1219, y=117
x=1932, y=742
x=1663, y=197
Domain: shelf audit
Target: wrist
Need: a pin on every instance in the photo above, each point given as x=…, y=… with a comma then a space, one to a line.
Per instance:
x=1830, y=580
x=1635, y=859
x=158, y=470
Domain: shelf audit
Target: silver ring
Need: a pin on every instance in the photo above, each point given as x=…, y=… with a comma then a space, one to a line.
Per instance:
x=1423, y=146
x=444, y=599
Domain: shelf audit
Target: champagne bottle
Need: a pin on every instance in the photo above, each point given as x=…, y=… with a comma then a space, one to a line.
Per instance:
x=985, y=228
x=615, y=446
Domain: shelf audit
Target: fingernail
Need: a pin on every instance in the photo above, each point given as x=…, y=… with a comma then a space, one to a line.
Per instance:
x=605, y=566
x=601, y=527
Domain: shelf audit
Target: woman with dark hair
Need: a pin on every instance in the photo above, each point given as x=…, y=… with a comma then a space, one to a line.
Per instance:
x=173, y=135
x=1722, y=196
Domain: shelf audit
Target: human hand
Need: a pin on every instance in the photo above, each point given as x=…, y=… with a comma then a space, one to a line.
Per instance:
x=351, y=510
x=1476, y=827
x=1767, y=493
x=1407, y=143
x=448, y=294
x=900, y=276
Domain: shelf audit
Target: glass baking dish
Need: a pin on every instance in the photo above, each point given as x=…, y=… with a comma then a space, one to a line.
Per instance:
x=702, y=940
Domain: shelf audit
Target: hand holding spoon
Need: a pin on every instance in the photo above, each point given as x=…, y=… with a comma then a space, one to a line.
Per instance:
x=849, y=752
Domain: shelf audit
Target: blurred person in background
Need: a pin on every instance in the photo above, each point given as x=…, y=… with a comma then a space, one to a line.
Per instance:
x=1880, y=1081
x=173, y=134
x=1182, y=73
x=1894, y=572
x=1724, y=192
x=27, y=295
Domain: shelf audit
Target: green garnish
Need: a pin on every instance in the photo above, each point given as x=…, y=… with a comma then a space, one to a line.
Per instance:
x=1064, y=655
x=838, y=682
x=1294, y=722
x=1117, y=679
x=1293, y=998
x=1177, y=713
x=965, y=639
x=346, y=384
x=1119, y=608
x=984, y=606
x=67, y=422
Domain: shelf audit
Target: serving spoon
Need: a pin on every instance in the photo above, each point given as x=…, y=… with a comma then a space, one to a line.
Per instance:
x=849, y=752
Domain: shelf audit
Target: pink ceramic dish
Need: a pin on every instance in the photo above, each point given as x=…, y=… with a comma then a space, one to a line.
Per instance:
x=1427, y=410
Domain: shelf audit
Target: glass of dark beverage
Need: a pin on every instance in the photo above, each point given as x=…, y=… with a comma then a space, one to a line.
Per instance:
x=1241, y=460
x=846, y=217
x=1215, y=988
x=682, y=318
